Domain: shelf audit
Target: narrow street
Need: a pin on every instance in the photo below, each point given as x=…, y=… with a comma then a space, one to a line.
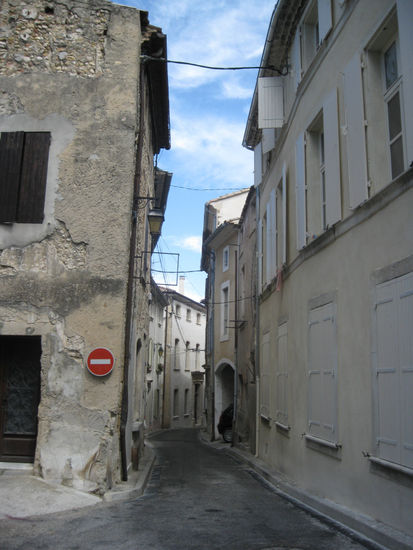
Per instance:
x=198, y=498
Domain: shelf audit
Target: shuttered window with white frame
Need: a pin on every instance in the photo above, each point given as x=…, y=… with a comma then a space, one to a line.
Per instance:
x=332, y=159
x=257, y=164
x=281, y=416
x=405, y=18
x=322, y=373
x=355, y=132
x=265, y=383
x=284, y=214
x=300, y=192
x=393, y=366
x=270, y=102
x=325, y=19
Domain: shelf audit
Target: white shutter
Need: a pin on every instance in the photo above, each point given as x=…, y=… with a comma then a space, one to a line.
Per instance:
x=265, y=375
x=284, y=214
x=300, y=192
x=387, y=384
x=282, y=376
x=356, y=139
x=322, y=396
x=296, y=58
x=257, y=164
x=273, y=209
x=325, y=21
x=405, y=296
x=405, y=19
x=270, y=102
x=332, y=159
x=268, y=243
x=259, y=254
x=268, y=140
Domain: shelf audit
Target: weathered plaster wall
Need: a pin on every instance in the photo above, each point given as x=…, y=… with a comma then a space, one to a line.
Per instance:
x=72, y=68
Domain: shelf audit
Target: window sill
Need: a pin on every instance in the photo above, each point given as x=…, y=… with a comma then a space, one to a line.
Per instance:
x=282, y=427
x=391, y=466
x=322, y=442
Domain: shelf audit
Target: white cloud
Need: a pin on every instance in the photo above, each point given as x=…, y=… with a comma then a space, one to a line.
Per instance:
x=192, y=242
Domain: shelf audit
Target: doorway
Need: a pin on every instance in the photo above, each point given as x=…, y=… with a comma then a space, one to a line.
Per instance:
x=19, y=396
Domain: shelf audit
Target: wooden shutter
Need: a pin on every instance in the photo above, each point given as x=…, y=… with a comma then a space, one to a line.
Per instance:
x=300, y=192
x=33, y=177
x=11, y=153
x=322, y=397
x=268, y=243
x=265, y=375
x=387, y=375
x=268, y=140
x=259, y=255
x=405, y=18
x=273, y=211
x=258, y=164
x=325, y=21
x=282, y=376
x=356, y=139
x=270, y=102
x=332, y=159
x=284, y=214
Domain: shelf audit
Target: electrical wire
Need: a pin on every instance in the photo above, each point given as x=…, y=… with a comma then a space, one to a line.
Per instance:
x=209, y=188
x=281, y=72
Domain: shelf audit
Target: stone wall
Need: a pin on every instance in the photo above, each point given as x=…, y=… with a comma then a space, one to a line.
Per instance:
x=53, y=37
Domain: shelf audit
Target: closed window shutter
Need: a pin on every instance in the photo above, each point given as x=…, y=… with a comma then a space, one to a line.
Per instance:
x=273, y=210
x=11, y=154
x=296, y=58
x=356, y=140
x=300, y=192
x=257, y=164
x=268, y=241
x=405, y=18
x=332, y=159
x=325, y=21
x=282, y=376
x=33, y=177
x=265, y=376
x=322, y=402
x=270, y=102
x=268, y=140
x=259, y=254
x=284, y=213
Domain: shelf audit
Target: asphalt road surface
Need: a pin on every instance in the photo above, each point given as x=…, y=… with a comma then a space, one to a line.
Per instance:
x=199, y=498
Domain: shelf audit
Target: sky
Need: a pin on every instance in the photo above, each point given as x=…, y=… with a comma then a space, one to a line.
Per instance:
x=208, y=115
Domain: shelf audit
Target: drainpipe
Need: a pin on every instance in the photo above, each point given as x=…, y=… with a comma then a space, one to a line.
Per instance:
x=235, y=412
x=165, y=364
x=130, y=287
x=257, y=328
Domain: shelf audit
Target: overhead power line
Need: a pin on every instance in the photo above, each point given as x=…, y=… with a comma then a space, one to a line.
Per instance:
x=282, y=72
x=209, y=188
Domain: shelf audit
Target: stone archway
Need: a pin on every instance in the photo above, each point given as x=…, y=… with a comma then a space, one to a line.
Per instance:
x=224, y=388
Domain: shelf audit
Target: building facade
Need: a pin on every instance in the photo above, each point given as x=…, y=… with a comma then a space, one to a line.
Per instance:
x=81, y=118
x=183, y=405
x=332, y=134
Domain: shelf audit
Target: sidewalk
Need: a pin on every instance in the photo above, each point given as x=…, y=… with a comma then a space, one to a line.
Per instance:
x=22, y=494
x=368, y=531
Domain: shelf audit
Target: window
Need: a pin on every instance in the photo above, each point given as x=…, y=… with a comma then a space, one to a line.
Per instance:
x=393, y=364
x=281, y=414
x=176, y=403
x=198, y=318
x=176, y=358
x=224, y=310
x=188, y=315
x=186, y=402
x=187, y=357
x=265, y=383
x=225, y=259
x=322, y=373
x=178, y=311
x=318, y=187
x=197, y=356
x=23, y=167
x=156, y=404
x=394, y=117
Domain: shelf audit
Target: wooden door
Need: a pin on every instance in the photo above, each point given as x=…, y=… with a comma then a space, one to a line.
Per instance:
x=19, y=396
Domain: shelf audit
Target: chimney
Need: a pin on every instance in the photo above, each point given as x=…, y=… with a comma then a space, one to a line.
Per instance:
x=181, y=284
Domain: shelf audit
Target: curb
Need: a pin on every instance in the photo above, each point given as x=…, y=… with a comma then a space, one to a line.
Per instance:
x=137, y=482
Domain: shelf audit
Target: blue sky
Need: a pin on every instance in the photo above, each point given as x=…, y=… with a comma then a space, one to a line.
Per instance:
x=208, y=112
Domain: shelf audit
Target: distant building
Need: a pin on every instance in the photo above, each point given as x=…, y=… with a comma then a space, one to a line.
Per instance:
x=183, y=404
x=332, y=135
x=81, y=118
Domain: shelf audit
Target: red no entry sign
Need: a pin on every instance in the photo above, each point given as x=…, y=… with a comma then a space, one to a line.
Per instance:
x=100, y=362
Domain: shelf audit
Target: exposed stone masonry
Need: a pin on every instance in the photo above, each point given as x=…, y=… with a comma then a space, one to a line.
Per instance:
x=55, y=37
